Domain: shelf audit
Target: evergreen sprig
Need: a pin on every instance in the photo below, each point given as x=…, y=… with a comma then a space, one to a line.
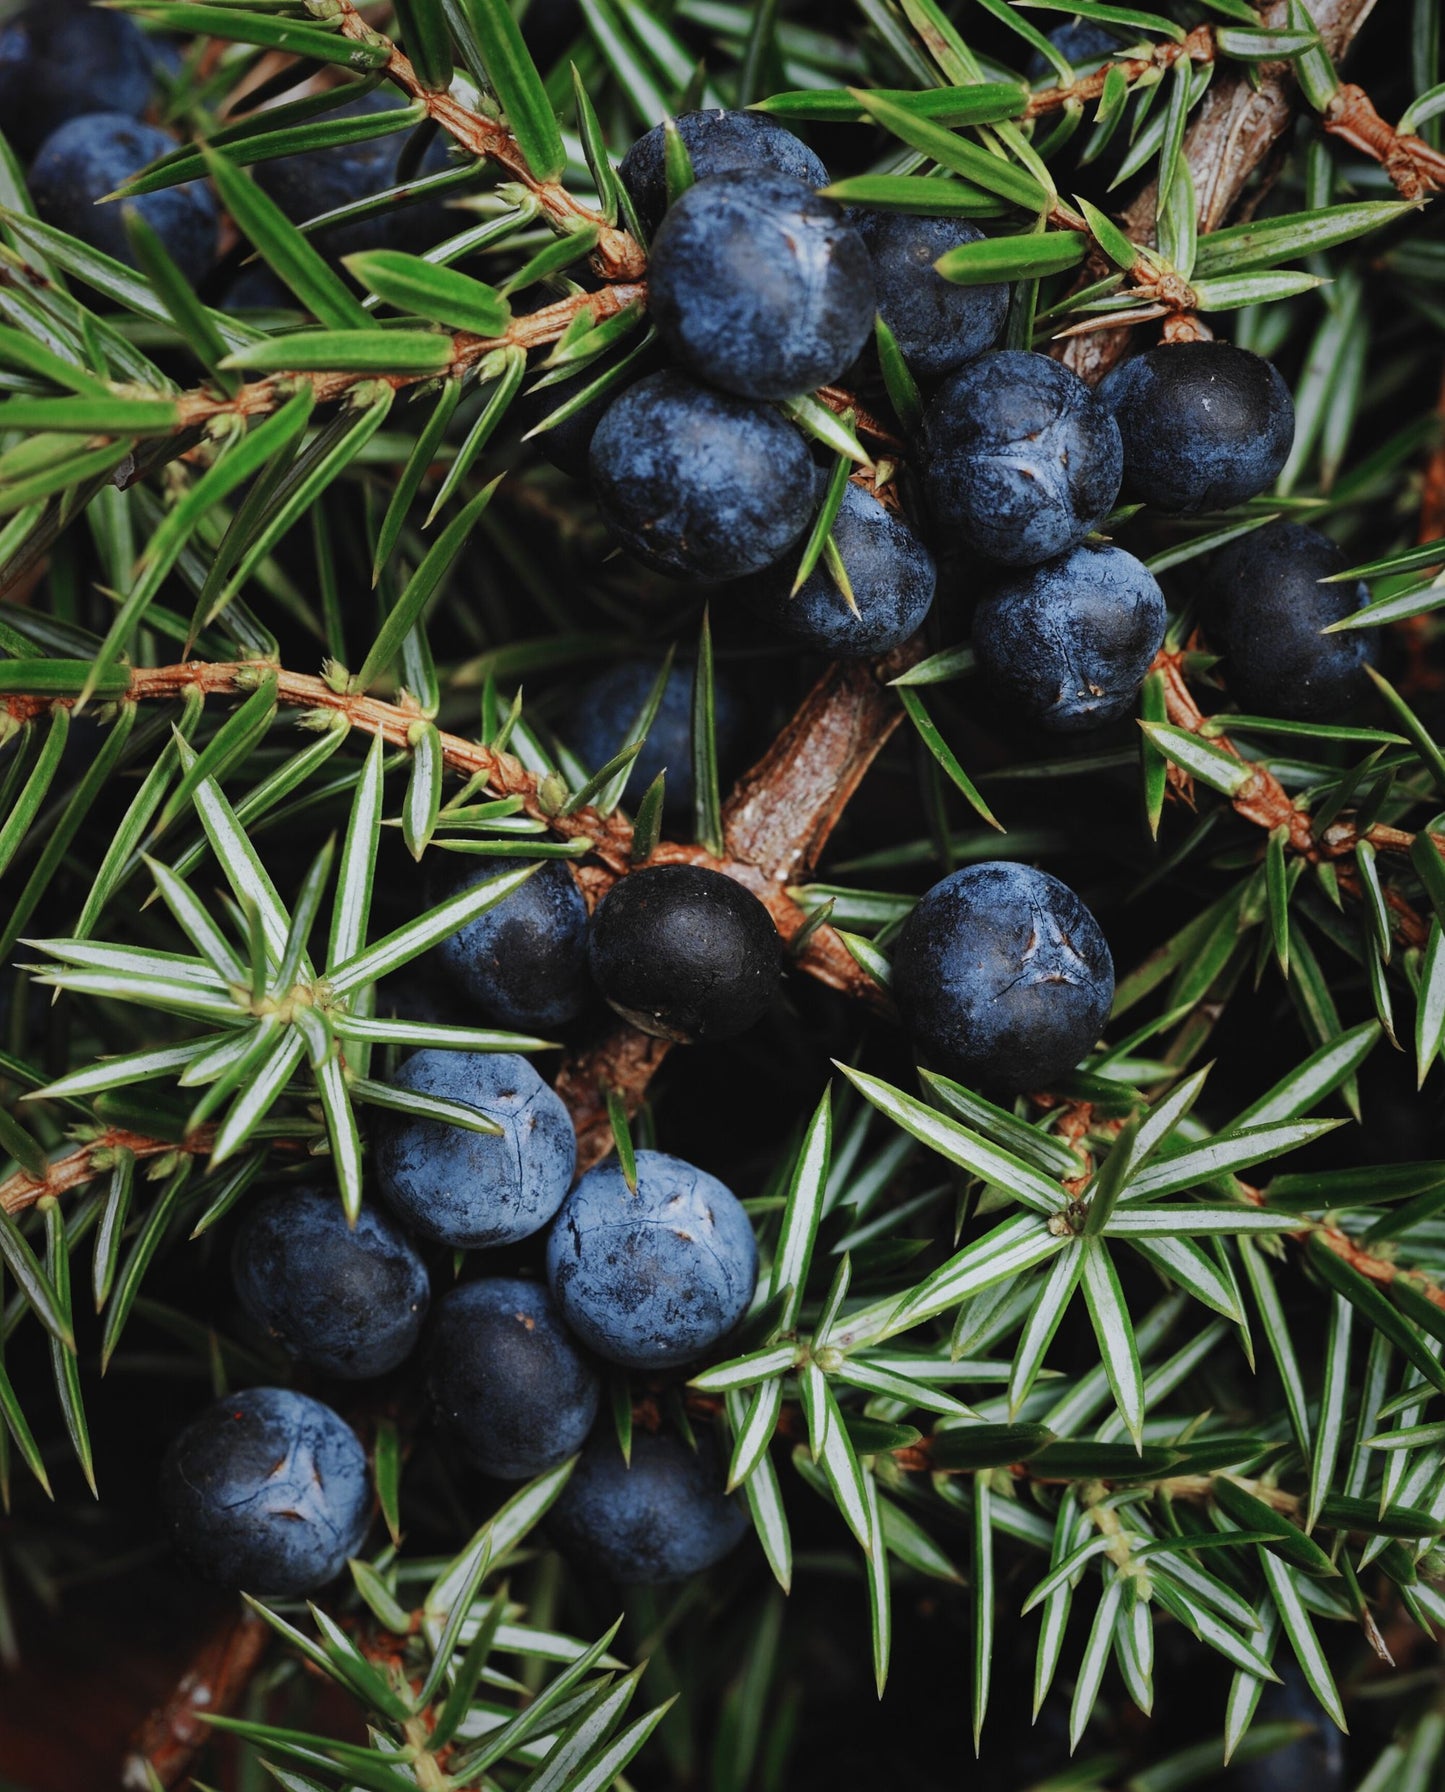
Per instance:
x=923, y=1251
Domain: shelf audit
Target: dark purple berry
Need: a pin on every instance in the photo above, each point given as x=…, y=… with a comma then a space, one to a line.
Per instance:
x=1002, y=977
x=685, y=953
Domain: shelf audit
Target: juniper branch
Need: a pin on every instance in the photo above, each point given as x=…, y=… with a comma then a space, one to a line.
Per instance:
x=1236, y=125
x=1265, y=801
x=618, y=255
x=95, y=1157
x=1414, y=167
x=1197, y=47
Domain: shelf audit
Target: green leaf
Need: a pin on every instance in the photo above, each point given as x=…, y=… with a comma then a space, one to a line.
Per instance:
x=920, y=195
x=128, y=1284
x=1043, y=1322
x=27, y=805
x=707, y=797
x=1176, y=117
x=903, y=395
x=1192, y=753
x=982, y=1446
x=110, y=1230
x=1040, y=1149
x=1265, y=242
x=1410, y=725
x=518, y=86
x=983, y=1603
x=988, y=102
x=1114, y=1332
x=1235, y=291
x=1335, y=1395
x=1263, y=45
x=233, y=740
x=1302, y=1639
x=1012, y=258
x=1009, y=1250
x=413, y=284
x=594, y=148
x=818, y=536
x=291, y=36
x=610, y=792
x=19, y=1429
x=1430, y=1004
x=423, y=29
x=363, y=351
x=834, y=1452
x=537, y=1716
x=339, y=442
x=1376, y=1308
x=1072, y=1459
x=281, y=245
x=1223, y=1154
x=513, y=367
x=995, y=174
x=816, y=420
x=62, y=831
x=290, y=129
x=421, y=587
x=969, y=1150
x=1130, y=18
x=93, y=414
x=802, y=1215
x=676, y=162
x=929, y=734
x=1110, y=238
x=25, y=355
x=415, y=937
x=1095, y=1659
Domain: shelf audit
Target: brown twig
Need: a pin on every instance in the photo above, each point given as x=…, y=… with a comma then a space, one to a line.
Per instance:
x=1197, y=47
x=213, y=1682
x=618, y=256
x=1414, y=167
x=1265, y=802
x=204, y=406
x=623, y=1060
x=94, y=1158
x=777, y=821
x=824, y=956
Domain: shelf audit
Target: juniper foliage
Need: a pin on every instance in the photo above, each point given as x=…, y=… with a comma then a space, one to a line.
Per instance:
x=1026, y=1391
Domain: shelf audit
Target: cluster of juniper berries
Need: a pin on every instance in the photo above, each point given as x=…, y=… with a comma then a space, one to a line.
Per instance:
x=761, y=291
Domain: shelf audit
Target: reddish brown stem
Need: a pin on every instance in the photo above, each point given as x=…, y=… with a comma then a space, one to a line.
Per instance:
x=212, y=1684
x=1265, y=802
x=1197, y=47
x=1414, y=167
x=618, y=256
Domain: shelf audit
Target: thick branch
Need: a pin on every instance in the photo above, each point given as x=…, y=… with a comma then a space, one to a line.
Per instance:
x=782, y=812
x=212, y=1684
